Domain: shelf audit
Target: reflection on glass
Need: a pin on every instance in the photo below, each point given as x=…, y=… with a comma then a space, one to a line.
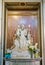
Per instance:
x=22, y=37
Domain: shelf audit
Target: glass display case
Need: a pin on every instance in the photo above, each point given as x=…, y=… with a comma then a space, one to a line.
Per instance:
x=22, y=34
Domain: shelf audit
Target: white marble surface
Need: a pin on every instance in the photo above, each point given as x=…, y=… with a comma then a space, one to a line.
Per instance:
x=22, y=63
x=22, y=0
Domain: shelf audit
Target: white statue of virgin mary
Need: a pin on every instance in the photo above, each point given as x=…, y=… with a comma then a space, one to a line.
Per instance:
x=21, y=42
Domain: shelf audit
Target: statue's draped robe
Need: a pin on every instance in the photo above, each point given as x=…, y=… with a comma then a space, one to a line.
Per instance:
x=21, y=44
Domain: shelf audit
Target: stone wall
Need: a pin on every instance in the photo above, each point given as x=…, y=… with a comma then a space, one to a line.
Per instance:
x=0, y=27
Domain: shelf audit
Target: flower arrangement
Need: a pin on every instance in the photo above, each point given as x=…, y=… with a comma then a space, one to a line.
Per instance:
x=34, y=51
x=8, y=54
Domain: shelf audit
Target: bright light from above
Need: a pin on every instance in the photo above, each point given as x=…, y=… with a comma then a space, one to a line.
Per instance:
x=15, y=17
